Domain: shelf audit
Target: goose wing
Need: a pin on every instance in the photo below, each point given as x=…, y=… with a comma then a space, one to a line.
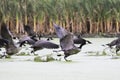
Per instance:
x=29, y=30
x=114, y=42
x=61, y=32
x=5, y=33
x=45, y=44
x=67, y=43
x=79, y=40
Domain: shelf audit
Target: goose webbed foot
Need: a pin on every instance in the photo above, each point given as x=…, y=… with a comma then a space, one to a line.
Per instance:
x=59, y=55
x=1, y=56
x=33, y=52
x=117, y=51
x=67, y=59
x=4, y=56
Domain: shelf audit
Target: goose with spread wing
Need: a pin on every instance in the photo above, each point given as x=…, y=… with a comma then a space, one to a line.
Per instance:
x=3, y=42
x=6, y=35
x=66, y=41
x=79, y=40
x=115, y=43
x=29, y=31
x=30, y=38
x=38, y=44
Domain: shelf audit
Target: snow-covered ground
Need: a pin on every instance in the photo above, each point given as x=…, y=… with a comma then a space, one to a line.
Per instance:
x=82, y=67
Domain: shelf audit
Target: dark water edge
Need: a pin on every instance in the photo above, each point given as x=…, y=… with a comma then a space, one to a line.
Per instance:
x=101, y=35
x=87, y=35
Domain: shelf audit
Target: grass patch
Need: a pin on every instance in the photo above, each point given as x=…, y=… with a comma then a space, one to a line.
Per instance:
x=115, y=57
x=46, y=58
x=103, y=53
x=118, y=54
x=35, y=54
x=49, y=58
x=6, y=57
x=23, y=54
x=38, y=59
x=92, y=53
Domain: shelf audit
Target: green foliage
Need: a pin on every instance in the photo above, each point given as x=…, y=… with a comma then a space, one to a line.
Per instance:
x=22, y=54
x=7, y=56
x=49, y=58
x=103, y=53
x=46, y=58
x=57, y=8
x=61, y=11
x=38, y=59
x=118, y=54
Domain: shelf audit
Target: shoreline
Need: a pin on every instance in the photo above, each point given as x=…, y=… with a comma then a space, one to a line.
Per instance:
x=87, y=35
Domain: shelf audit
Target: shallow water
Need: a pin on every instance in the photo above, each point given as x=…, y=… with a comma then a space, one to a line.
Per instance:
x=82, y=67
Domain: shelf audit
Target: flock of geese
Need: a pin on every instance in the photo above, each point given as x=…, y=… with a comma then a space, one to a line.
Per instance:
x=67, y=41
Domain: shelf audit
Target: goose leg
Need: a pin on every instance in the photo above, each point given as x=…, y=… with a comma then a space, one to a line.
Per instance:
x=117, y=51
x=67, y=59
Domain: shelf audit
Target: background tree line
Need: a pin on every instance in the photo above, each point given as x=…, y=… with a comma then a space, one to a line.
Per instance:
x=77, y=16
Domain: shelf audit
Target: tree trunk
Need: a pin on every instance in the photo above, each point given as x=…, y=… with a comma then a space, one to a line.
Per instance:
x=17, y=24
x=34, y=22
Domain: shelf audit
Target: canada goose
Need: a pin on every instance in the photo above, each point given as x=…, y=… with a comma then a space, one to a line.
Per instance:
x=66, y=41
x=37, y=44
x=31, y=37
x=29, y=31
x=40, y=44
x=114, y=42
x=6, y=34
x=27, y=39
x=49, y=38
x=117, y=48
x=81, y=41
x=3, y=42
